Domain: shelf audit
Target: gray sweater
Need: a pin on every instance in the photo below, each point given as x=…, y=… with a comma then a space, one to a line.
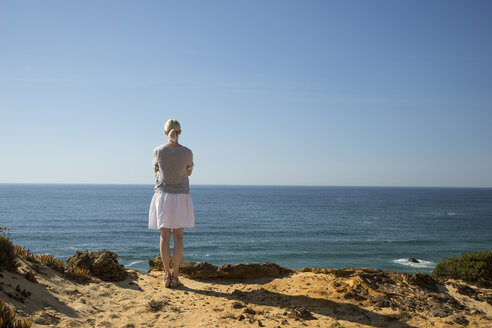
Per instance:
x=173, y=164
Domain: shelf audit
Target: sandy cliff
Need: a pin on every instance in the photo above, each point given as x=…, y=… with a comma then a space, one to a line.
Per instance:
x=305, y=298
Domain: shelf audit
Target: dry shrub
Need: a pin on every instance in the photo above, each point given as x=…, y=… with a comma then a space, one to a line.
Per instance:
x=7, y=318
x=52, y=261
x=78, y=273
x=48, y=259
x=25, y=253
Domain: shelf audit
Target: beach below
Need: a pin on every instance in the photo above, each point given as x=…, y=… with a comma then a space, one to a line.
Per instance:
x=265, y=296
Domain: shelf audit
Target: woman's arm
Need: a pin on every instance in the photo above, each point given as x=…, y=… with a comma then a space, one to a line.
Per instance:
x=189, y=171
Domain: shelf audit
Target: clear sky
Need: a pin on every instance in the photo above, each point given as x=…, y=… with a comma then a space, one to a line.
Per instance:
x=372, y=93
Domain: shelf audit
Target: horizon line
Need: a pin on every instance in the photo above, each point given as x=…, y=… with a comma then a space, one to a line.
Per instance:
x=244, y=185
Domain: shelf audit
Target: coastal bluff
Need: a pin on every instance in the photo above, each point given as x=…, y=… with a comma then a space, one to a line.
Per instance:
x=93, y=290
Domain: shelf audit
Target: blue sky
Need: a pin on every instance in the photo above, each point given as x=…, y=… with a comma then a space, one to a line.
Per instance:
x=374, y=93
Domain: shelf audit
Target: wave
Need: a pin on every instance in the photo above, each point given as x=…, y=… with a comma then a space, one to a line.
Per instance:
x=133, y=263
x=421, y=264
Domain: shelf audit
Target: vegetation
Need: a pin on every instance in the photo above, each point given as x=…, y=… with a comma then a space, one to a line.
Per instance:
x=25, y=253
x=52, y=261
x=156, y=306
x=5, y=232
x=474, y=267
x=55, y=263
x=47, y=259
x=7, y=255
x=7, y=318
x=78, y=273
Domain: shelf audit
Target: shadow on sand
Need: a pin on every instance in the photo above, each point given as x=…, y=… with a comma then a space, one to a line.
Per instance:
x=336, y=310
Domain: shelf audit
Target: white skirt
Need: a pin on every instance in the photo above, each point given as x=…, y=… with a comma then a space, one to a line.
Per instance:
x=171, y=211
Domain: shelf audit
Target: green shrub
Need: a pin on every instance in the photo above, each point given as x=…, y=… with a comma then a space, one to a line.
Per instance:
x=7, y=318
x=468, y=267
x=6, y=253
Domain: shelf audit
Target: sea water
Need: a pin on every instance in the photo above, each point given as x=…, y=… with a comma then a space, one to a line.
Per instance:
x=334, y=227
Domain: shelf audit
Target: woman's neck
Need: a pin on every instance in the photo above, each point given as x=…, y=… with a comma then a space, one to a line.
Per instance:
x=173, y=144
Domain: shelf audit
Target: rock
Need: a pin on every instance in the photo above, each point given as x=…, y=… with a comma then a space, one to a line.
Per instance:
x=381, y=301
x=238, y=305
x=459, y=319
x=238, y=293
x=439, y=312
x=31, y=277
x=249, y=311
x=198, y=270
x=205, y=270
x=156, y=264
x=201, y=270
x=251, y=270
x=102, y=264
x=477, y=312
x=466, y=290
x=298, y=312
x=424, y=280
x=413, y=260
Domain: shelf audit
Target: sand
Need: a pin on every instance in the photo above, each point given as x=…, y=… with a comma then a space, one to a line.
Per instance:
x=303, y=299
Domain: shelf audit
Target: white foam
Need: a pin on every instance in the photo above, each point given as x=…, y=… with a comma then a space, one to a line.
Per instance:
x=133, y=263
x=451, y=213
x=421, y=264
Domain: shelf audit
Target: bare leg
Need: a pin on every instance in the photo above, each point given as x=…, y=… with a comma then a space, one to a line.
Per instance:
x=178, y=250
x=165, y=250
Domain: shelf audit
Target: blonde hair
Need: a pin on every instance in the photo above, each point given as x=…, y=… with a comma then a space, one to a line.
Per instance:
x=173, y=129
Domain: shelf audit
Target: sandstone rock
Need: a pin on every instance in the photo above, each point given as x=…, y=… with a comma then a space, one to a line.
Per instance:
x=198, y=270
x=205, y=270
x=424, y=280
x=31, y=277
x=102, y=264
x=298, y=312
x=238, y=293
x=381, y=301
x=249, y=311
x=407, y=293
x=459, y=319
x=156, y=264
x=251, y=270
x=466, y=290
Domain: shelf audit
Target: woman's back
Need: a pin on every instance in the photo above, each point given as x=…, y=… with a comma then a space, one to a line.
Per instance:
x=173, y=164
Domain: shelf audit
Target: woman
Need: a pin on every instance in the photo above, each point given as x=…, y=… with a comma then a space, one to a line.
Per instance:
x=171, y=206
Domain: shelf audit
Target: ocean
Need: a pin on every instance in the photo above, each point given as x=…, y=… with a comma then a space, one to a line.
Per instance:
x=334, y=227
